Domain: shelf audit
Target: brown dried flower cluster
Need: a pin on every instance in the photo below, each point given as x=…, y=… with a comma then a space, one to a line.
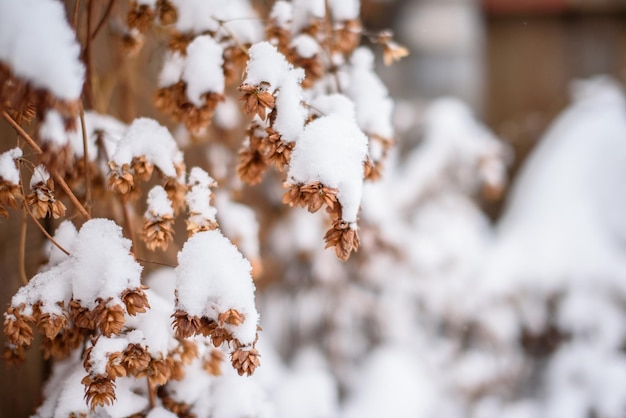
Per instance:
x=392, y=51
x=18, y=332
x=9, y=193
x=121, y=179
x=42, y=202
x=109, y=320
x=23, y=101
x=312, y=196
x=176, y=190
x=257, y=99
x=343, y=237
x=174, y=101
x=347, y=36
x=212, y=363
x=245, y=359
x=158, y=231
x=252, y=162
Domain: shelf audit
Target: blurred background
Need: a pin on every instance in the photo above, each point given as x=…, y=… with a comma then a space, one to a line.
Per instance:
x=512, y=62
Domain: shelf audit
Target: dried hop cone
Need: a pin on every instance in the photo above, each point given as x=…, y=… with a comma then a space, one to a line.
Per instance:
x=158, y=231
x=311, y=196
x=42, y=202
x=343, y=237
x=257, y=99
x=121, y=178
x=245, y=360
x=99, y=390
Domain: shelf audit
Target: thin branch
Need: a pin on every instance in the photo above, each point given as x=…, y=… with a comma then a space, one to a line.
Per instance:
x=86, y=161
x=75, y=17
x=22, y=132
x=57, y=177
x=46, y=233
x=143, y=260
x=22, y=254
x=103, y=19
x=87, y=56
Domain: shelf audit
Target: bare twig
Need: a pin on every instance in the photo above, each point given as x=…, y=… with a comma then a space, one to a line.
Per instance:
x=103, y=19
x=143, y=260
x=22, y=254
x=86, y=161
x=75, y=16
x=57, y=177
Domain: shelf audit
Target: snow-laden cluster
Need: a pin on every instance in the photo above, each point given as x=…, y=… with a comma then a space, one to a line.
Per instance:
x=147, y=138
x=57, y=67
x=214, y=278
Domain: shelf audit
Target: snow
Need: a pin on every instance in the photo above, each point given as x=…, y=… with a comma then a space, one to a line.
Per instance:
x=65, y=235
x=267, y=65
x=306, y=10
x=290, y=114
x=172, y=70
x=145, y=137
x=305, y=45
x=332, y=150
x=227, y=115
x=40, y=175
x=52, y=129
x=374, y=107
x=281, y=13
x=199, y=16
x=8, y=168
x=148, y=326
x=344, y=9
x=159, y=205
x=109, y=129
x=39, y=46
x=581, y=157
x=239, y=223
x=101, y=265
x=203, y=71
x=213, y=277
x=102, y=350
x=198, y=197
